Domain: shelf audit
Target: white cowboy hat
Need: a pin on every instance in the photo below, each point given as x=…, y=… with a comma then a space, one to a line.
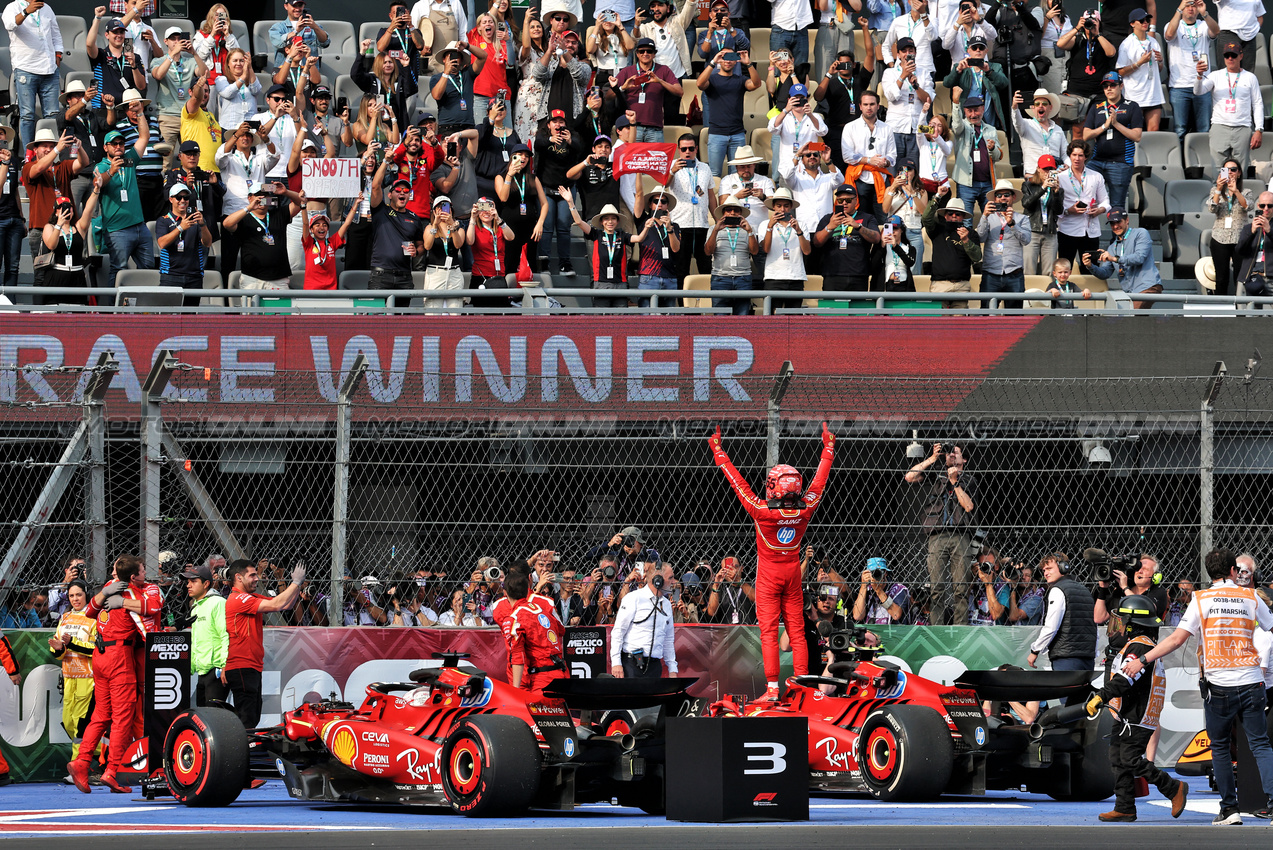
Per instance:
x=1006, y=186
x=133, y=96
x=43, y=136
x=73, y=87
x=1054, y=101
x=453, y=47
x=608, y=209
x=731, y=203
x=745, y=156
x=665, y=195
x=555, y=7
x=1205, y=271
x=782, y=194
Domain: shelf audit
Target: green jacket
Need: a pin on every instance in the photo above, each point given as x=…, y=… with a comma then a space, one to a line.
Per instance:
x=209, y=640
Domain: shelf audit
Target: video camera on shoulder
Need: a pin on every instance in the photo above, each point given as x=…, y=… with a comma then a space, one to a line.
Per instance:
x=1103, y=565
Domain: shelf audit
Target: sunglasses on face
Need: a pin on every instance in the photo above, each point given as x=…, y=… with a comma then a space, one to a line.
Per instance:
x=659, y=203
x=1111, y=85
x=1230, y=56
x=275, y=97
x=1264, y=206
x=181, y=198
x=811, y=155
x=1234, y=170
x=559, y=18
x=645, y=50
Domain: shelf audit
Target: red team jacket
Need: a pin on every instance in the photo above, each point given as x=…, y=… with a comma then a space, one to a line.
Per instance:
x=535, y=641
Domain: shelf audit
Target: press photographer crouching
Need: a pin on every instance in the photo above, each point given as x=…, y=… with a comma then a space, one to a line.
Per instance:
x=880, y=600
x=1069, y=630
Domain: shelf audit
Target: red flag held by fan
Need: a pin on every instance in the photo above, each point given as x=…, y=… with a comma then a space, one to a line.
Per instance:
x=646, y=158
x=524, y=274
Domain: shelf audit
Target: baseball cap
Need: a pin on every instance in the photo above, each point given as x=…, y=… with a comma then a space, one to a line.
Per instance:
x=256, y=187
x=1112, y=77
x=401, y=181
x=798, y=90
x=1117, y=214
x=1137, y=15
x=645, y=42
x=309, y=143
x=691, y=580
x=1231, y=47
x=177, y=189
x=276, y=89
x=112, y=136
x=1047, y=161
x=877, y=564
x=115, y=24
x=557, y=113
x=319, y=91
x=426, y=118
x=977, y=41
x=633, y=531
x=171, y=31
x=189, y=146
x=905, y=42
x=846, y=189
x=602, y=138
x=621, y=122
x=201, y=572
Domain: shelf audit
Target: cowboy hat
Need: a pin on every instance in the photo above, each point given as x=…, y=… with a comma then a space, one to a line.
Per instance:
x=453, y=47
x=731, y=203
x=1205, y=271
x=1006, y=186
x=955, y=205
x=1054, y=101
x=73, y=87
x=558, y=7
x=132, y=96
x=608, y=209
x=783, y=194
x=45, y=135
x=745, y=156
x=663, y=193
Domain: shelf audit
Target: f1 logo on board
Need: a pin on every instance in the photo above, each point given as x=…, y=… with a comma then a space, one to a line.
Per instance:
x=167, y=689
x=765, y=798
x=774, y=758
x=786, y=535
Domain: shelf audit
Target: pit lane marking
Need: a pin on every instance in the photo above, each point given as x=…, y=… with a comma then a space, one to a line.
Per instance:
x=74, y=813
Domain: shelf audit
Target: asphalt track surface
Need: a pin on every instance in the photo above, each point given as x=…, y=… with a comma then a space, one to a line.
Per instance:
x=49, y=814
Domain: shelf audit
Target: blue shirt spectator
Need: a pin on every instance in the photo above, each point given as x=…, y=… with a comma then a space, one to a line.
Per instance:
x=1130, y=256
x=298, y=21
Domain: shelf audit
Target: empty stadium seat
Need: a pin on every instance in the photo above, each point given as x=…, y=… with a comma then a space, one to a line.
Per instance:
x=1197, y=155
x=672, y=132
x=700, y=282
x=341, y=35
x=1154, y=148
x=334, y=64
x=239, y=29
x=261, y=38
x=346, y=87
x=354, y=279
x=74, y=31
x=369, y=30
x=1182, y=196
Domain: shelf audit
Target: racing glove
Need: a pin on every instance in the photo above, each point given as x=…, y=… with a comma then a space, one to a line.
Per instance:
x=114, y=603
x=114, y=588
x=828, y=439
x=1094, y=705
x=718, y=451
x=298, y=574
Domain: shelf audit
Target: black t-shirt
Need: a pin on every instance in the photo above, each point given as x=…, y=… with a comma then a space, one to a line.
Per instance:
x=818, y=644
x=597, y=187
x=389, y=230
x=111, y=76
x=263, y=249
x=492, y=155
x=90, y=127
x=186, y=255
x=10, y=206
x=553, y=160
x=844, y=99
x=608, y=269
x=846, y=253
x=1113, y=146
x=456, y=104
x=1114, y=23
x=440, y=252
x=1084, y=73
x=725, y=94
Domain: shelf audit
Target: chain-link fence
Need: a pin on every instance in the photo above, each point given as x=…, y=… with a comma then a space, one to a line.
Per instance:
x=385, y=474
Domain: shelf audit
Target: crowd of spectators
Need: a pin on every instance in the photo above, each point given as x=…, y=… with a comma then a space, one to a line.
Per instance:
x=481, y=141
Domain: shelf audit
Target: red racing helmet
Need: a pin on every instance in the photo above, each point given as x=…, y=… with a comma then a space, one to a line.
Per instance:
x=784, y=481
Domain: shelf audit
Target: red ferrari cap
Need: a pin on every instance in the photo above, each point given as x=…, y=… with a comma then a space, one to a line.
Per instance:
x=558, y=113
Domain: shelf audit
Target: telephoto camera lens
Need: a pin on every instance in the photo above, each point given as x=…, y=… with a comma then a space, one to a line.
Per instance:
x=878, y=575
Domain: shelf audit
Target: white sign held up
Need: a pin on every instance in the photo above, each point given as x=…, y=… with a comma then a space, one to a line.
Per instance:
x=330, y=178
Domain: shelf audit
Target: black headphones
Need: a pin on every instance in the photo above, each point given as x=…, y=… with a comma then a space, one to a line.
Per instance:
x=1062, y=566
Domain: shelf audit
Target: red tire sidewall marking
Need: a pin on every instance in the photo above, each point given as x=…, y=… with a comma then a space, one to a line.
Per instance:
x=882, y=736
x=462, y=747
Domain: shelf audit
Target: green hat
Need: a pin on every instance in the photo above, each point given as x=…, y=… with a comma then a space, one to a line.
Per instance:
x=112, y=136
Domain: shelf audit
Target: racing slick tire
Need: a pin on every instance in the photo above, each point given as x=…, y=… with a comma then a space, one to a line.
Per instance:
x=1092, y=778
x=206, y=757
x=491, y=766
x=905, y=753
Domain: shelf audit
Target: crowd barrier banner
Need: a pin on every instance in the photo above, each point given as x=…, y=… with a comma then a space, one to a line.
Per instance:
x=305, y=664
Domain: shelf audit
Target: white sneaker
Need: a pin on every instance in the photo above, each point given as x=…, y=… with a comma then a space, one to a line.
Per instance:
x=1231, y=818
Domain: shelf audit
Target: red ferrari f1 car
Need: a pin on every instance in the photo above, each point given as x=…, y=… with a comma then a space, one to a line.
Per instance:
x=452, y=736
x=899, y=736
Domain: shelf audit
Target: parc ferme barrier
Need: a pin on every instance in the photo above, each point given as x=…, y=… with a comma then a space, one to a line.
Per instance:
x=366, y=468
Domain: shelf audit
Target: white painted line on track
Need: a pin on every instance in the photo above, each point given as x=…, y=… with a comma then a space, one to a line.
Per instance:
x=76, y=813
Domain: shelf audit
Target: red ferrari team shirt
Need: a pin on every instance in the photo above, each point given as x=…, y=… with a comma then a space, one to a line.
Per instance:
x=247, y=632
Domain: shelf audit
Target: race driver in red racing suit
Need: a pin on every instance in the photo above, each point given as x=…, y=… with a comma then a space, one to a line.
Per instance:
x=535, y=638
x=781, y=520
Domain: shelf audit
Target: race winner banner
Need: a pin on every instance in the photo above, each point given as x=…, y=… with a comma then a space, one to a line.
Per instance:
x=654, y=159
x=302, y=665
x=330, y=178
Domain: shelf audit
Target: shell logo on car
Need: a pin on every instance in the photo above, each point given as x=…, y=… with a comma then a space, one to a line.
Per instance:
x=344, y=746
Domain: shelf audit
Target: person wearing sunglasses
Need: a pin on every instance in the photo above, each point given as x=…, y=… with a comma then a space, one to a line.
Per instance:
x=1232, y=208
x=823, y=606
x=1140, y=62
x=643, y=89
x=1189, y=34
x=1253, y=247
x=1114, y=127
x=666, y=27
x=1131, y=256
x=299, y=23
x=184, y=239
x=1237, y=107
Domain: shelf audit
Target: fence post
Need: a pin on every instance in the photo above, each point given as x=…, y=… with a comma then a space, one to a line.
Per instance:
x=781, y=381
x=1206, y=467
x=152, y=452
x=340, y=497
x=95, y=496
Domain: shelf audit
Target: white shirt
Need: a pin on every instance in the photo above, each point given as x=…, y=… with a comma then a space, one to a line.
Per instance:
x=860, y=141
x=1190, y=44
x=1093, y=192
x=932, y=158
x=205, y=44
x=1236, y=101
x=1051, y=33
x=283, y=135
x=687, y=184
x=1240, y=17
x=776, y=268
x=1231, y=609
x=757, y=214
x=1037, y=140
x=792, y=14
x=794, y=133
x=1264, y=646
x=467, y=620
x=815, y=193
x=141, y=46
x=904, y=105
x=237, y=175
x=666, y=51
x=644, y=623
x=919, y=32
x=1054, y=612
x=1144, y=85
x=947, y=11
x=955, y=40
x=236, y=102
x=33, y=43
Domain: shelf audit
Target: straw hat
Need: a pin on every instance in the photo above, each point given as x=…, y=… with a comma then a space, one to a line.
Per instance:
x=1006, y=186
x=1205, y=271
x=1054, y=101
x=745, y=156
x=783, y=194
x=608, y=209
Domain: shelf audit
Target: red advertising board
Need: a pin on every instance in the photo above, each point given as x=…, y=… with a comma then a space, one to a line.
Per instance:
x=440, y=367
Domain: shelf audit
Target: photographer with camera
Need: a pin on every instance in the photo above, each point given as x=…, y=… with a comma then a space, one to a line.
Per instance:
x=947, y=520
x=822, y=608
x=988, y=594
x=629, y=549
x=1069, y=628
x=75, y=569
x=729, y=599
x=880, y=600
x=1181, y=596
x=261, y=230
x=1224, y=617
x=642, y=642
x=362, y=606
x=1025, y=602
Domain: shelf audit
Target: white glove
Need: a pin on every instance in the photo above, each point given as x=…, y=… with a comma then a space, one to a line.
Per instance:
x=298, y=574
x=114, y=603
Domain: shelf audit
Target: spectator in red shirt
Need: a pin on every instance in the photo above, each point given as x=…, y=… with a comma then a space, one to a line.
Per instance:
x=321, y=246
x=492, y=80
x=488, y=235
x=243, y=620
x=414, y=160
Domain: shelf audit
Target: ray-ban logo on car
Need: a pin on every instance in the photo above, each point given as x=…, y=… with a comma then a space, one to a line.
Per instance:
x=167, y=690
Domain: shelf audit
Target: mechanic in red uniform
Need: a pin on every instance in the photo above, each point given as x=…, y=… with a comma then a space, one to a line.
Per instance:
x=119, y=631
x=535, y=638
x=245, y=658
x=151, y=614
x=780, y=522
x=10, y=664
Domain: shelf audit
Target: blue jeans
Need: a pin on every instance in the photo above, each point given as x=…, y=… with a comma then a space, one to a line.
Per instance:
x=27, y=87
x=134, y=242
x=1084, y=664
x=915, y=236
x=1007, y=282
x=797, y=42
x=649, y=281
x=1189, y=109
x=1118, y=176
x=558, y=214
x=11, y=232
x=976, y=193
x=653, y=135
x=722, y=148
x=1222, y=710
x=740, y=283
